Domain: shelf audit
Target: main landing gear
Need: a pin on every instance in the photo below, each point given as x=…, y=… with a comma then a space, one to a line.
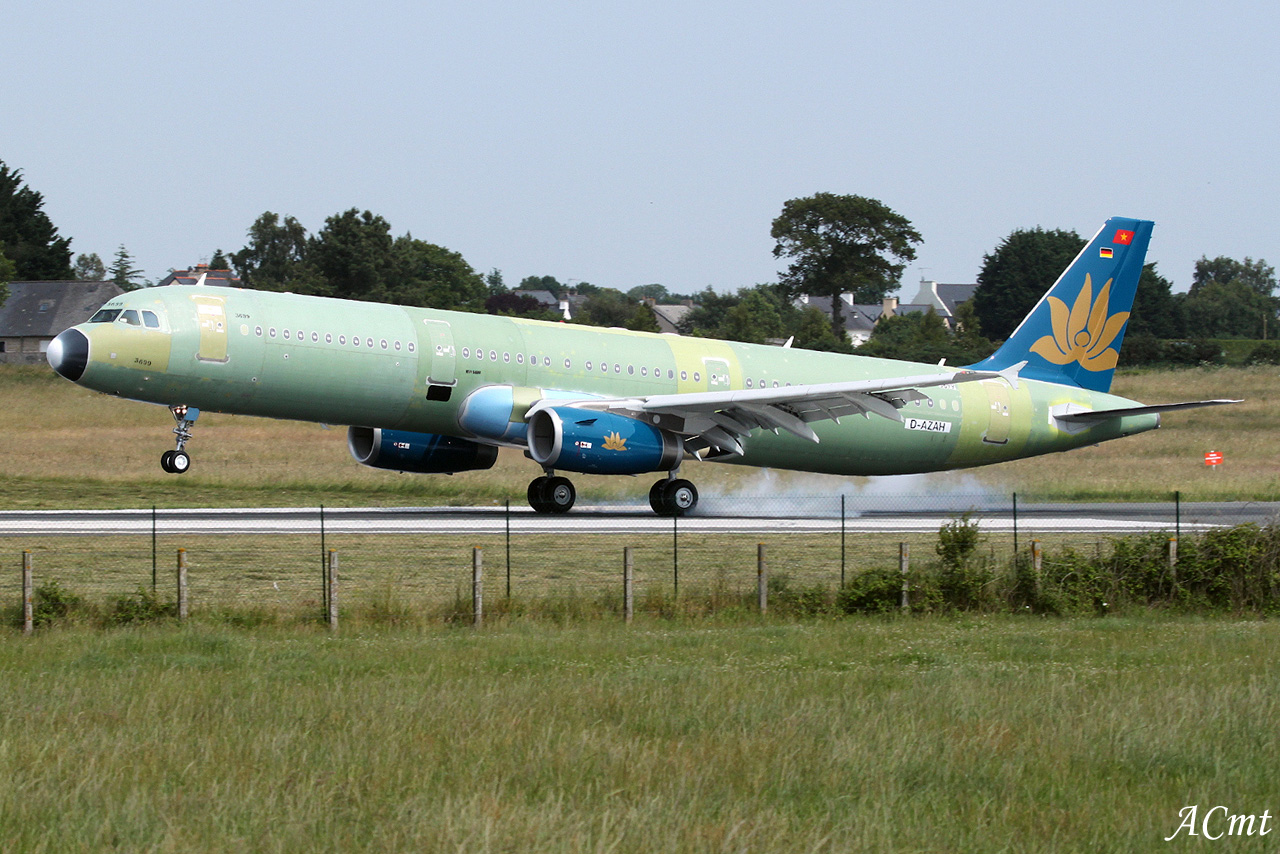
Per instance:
x=673, y=496
x=178, y=460
x=551, y=494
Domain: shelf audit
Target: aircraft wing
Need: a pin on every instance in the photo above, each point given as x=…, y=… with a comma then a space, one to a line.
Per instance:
x=722, y=419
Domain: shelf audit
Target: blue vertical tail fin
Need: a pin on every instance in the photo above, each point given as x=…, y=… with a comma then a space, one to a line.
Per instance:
x=1073, y=334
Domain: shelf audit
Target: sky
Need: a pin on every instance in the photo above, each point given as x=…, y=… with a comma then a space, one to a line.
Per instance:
x=631, y=143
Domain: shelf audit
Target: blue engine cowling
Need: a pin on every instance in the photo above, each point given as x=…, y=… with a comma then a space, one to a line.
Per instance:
x=580, y=440
x=424, y=453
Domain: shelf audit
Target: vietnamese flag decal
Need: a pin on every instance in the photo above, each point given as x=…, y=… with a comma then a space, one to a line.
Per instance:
x=1122, y=236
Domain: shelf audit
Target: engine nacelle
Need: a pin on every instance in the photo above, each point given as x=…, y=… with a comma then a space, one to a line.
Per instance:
x=580, y=440
x=424, y=453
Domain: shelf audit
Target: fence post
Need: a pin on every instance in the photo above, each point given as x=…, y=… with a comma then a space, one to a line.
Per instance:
x=28, y=614
x=508, y=530
x=183, y=606
x=675, y=555
x=842, y=526
x=628, y=593
x=904, y=565
x=762, y=580
x=1173, y=561
x=477, y=586
x=1037, y=565
x=333, y=590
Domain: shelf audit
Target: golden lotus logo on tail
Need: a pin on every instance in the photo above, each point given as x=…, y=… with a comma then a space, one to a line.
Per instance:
x=615, y=442
x=1084, y=333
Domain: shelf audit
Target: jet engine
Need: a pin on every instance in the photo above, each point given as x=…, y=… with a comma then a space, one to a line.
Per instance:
x=424, y=453
x=580, y=440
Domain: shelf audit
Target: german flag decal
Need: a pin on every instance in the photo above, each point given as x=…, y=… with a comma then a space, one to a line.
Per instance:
x=1106, y=252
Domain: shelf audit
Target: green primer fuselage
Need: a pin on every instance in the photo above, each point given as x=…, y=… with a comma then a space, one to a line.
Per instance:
x=374, y=365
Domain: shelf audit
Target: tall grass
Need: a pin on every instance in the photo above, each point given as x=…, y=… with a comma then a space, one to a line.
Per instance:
x=935, y=734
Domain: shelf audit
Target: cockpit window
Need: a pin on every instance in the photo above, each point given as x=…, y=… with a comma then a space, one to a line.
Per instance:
x=130, y=316
x=150, y=320
x=105, y=315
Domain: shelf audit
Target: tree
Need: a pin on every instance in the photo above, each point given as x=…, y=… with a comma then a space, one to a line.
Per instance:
x=126, y=276
x=31, y=241
x=89, y=268
x=1232, y=299
x=276, y=258
x=431, y=276
x=842, y=243
x=1018, y=273
x=8, y=271
x=353, y=253
x=1156, y=312
x=512, y=304
x=924, y=337
x=609, y=307
x=219, y=261
x=1258, y=275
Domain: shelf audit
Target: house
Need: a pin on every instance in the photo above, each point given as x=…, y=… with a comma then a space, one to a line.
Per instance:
x=37, y=311
x=200, y=274
x=943, y=298
x=561, y=305
x=669, y=316
x=859, y=319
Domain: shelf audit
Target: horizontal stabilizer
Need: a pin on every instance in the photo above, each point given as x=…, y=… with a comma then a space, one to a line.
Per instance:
x=1092, y=416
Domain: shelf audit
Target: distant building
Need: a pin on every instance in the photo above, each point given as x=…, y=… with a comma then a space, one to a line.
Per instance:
x=859, y=319
x=943, y=298
x=37, y=311
x=669, y=316
x=559, y=304
x=200, y=274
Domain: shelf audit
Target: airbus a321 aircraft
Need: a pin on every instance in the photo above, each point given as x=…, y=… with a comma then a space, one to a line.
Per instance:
x=439, y=392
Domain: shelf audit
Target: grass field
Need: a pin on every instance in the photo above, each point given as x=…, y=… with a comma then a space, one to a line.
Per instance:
x=935, y=734
x=63, y=446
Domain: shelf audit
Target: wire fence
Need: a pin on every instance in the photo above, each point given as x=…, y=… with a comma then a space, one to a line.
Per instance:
x=418, y=563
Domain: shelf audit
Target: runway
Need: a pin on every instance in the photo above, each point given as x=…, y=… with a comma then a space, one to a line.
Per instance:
x=1109, y=518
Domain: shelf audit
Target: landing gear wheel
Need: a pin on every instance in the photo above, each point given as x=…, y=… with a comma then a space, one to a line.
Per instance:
x=560, y=494
x=681, y=496
x=166, y=461
x=179, y=462
x=655, y=497
x=537, y=495
x=673, y=497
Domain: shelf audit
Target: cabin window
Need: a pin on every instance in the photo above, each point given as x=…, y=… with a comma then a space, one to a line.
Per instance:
x=105, y=315
x=631, y=369
x=384, y=343
x=130, y=316
x=493, y=355
x=342, y=339
x=644, y=372
x=328, y=338
x=684, y=375
x=150, y=320
x=697, y=377
x=257, y=330
x=410, y=346
x=748, y=382
x=568, y=363
x=466, y=352
x=519, y=358
x=397, y=346
x=272, y=332
x=506, y=358
x=588, y=365
x=368, y=342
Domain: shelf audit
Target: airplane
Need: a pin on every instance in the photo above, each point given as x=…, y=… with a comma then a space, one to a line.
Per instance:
x=432, y=391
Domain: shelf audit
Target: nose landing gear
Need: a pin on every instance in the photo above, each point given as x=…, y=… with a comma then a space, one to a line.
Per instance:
x=178, y=461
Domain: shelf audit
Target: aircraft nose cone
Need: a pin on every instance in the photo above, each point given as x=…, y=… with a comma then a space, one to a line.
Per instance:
x=69, y=354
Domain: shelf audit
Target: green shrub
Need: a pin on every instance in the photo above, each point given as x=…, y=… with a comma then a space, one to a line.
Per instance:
x=875, y=591
x=50, y=603
x=144, y=606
